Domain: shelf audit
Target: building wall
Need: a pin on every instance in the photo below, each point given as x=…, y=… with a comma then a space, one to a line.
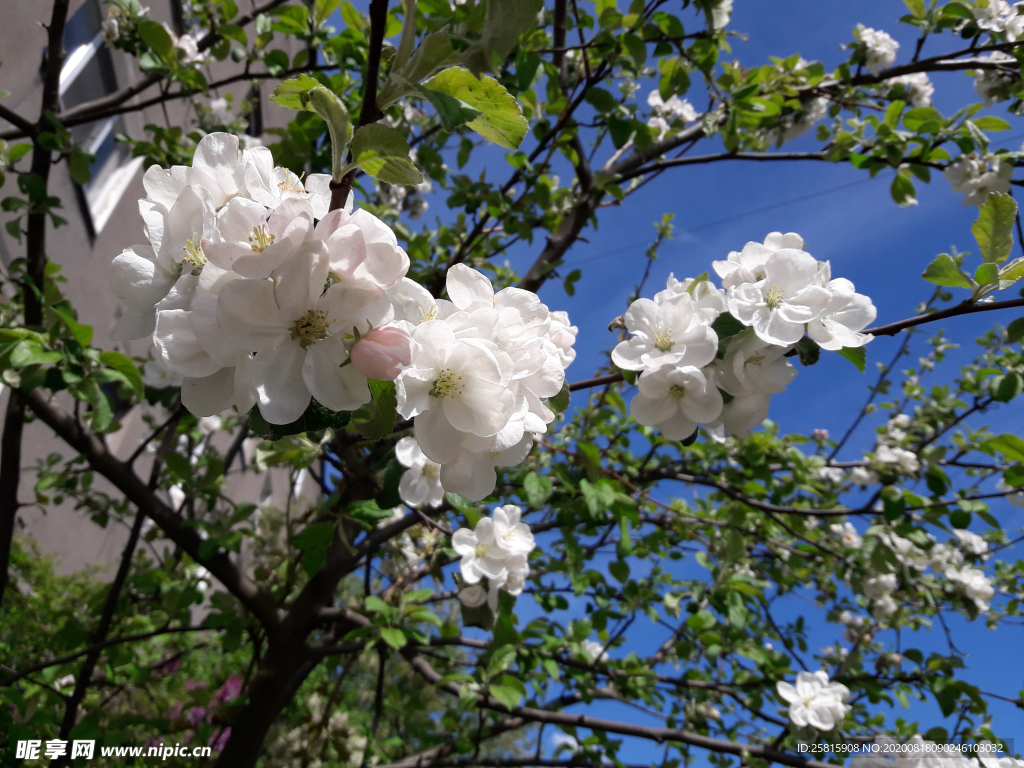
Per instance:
x=61, y=531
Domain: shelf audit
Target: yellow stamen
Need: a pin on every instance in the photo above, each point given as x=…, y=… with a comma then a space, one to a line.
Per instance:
x=446, y=384
x=311, y=328
x=260, y=239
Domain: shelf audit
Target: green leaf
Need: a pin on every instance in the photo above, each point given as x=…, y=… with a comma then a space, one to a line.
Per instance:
x=902, y=191
x=315, y=418
x=294, y=93
x=726, y=325
x=367, y=511
x=1012, y=272
x=560, y=402
x=538, y=490
x=452, y=111
x=276, y=62
x=946, y=272
x=987, y=274
x=314, y=541
x=916, y=7
x=78, y=165
x=384, y=154
x=856, y=355
x=808, y=351
x=1009, y=387
x=500, y=120
x=501, y=660
x=393, y=637
x=506, y=695
x=991, y=123
x=505, y=21
x=1015, y=330
x=994, y=228
x=156, y=37
x=376, y=420
x=124, y=365
x=1011, y=446
x=352, y=18
x=620, y=570
x=102, y=415
x=81, y=332
x=29, y=352
x=915, y=118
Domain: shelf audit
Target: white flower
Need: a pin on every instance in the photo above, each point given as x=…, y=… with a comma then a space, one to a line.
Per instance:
x=471, y=474
x=976, y=177
x=941, y=557
x=971, y=543
x=884, y=607
x=720, y=13
x=752, y=366
x=847, y=534
x=788, y=297
x=563, y=335
x=747, y=266
x=904, y=460
x=879, y=49
x=916, y=87
x=481, y=553
x=110, y=31
x=246, y=241
x=675, y=400
x=421, y=482
x=299, y=332
x=670, y=333
x=708, y=301
x=272, y=185
x=594, y=650
x=863, y=476
x=512, y=535
x=995, y=85
x=157, y=375
x=975, y=585
x=900, y=420
x=361, y=246
x=831, y=475
x=846, y=315
x=877, y=586
x=454, y=387
x=475, y=595
x=814, y=700
x=665, y=113
x=1000, y=18
x=1013, y=495
x=798, y=123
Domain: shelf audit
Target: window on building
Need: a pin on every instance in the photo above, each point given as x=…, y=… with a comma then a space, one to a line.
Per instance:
x=88, y=73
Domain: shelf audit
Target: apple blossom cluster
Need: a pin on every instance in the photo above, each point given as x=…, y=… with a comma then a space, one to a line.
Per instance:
x=255, y=293
x=815, y=700
x=666, y=114
x=977, y=176
x=879, y=48
x=995, y=85
x=689, y=376
x=1000, y=18
x=482, y=367
x=915, y=88
x=498, y=548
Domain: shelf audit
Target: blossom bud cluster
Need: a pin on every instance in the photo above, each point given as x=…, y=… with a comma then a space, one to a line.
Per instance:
x=497, y=548
x=776, y=289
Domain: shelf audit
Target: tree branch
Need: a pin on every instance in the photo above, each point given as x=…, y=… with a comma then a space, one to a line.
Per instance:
x=10, y=478
x=17, y=120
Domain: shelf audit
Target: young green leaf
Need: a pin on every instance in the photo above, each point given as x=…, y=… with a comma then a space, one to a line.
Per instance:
x=384, y=154
x=994, y=228
x=500, y=120
x=856, y=355
x=946, y=272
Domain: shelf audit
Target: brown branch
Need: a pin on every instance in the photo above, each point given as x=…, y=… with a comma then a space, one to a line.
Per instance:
x=15, y=119
x=675, y=162
x=10, y=478
x=250, y=594
x=963, y=308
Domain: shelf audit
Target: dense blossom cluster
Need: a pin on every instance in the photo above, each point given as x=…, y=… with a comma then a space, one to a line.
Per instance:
x=814, y=700
x=667, y=114
x=1000, y=18
x=879, y=49
x=497, y=549
x=255, y=293
x=776, y=289
x=977, y=176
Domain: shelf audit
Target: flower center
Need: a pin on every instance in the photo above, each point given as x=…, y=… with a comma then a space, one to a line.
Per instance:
x=194, y=254
x=447, y=384
x=676, y=392
x=774, y=298
x=260, y=239
x=428, y=313
x=311, y=328
x=480, y=551
x=291, y=184
x=430, y=470
x=663, y=340
x=755, y=360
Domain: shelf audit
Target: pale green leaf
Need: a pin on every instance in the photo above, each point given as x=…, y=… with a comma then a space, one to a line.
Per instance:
x=384, y=154
x=500, y=120
x=944, y=271
x=994, y=228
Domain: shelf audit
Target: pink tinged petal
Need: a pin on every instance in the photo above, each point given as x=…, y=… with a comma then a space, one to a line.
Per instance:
x=280, y=389
x=651, y=411
x=209, y=395
x=340, y=388
x=247, y=311
x=382, y=352
x=138, y=279
x=134, y=324
x=467, y=287
x=437, y=438
x=179, y=349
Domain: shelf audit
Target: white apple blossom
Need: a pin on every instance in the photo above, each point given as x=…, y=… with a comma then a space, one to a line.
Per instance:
x=594, y=651
x=863, y=476
x=1000, y=18
x=788, y=297
x=471, y=474
x=248, y=241
x=481, y=553
x=974, y=584
x=666, y=113
x=814, y=700
x=708, y=301
x=270, y=185
x=675, y=400
x=915, y=88
x=747, y=266
x=670, y=333
x=1013, y=495
x=879, y=49
x=995, y=85
x=796, y=124
x=362, y=247
x=498, y=549
x=509, y=532
x=884, y=607
x=976, y=176
x=847, y=535
x=971, y=543
x=905, y=461
x=421, y=482
x=832, y=475
x=847, y=313
x=876, y=586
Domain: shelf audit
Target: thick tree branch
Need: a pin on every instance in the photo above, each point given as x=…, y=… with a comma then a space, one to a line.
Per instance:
x=17, y=120
x=675, y=162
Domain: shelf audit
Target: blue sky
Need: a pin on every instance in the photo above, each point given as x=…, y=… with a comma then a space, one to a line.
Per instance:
x=845, y=218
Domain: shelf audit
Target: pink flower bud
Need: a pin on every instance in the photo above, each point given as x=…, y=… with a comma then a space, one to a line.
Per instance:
x=379, y=353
